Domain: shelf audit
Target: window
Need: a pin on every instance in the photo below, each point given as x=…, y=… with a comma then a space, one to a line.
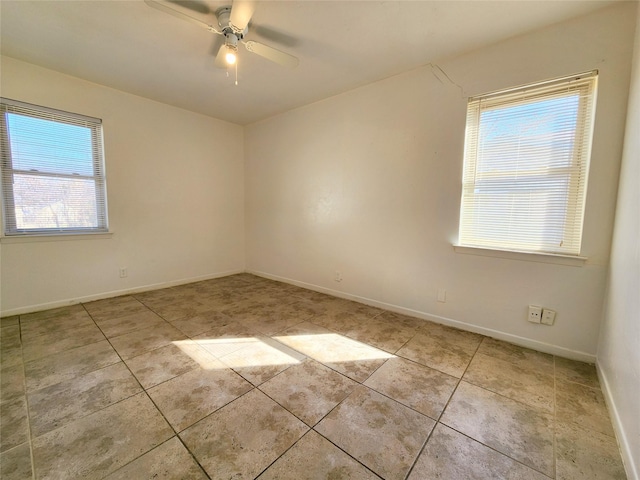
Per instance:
x=525, y=167
x=52, y=171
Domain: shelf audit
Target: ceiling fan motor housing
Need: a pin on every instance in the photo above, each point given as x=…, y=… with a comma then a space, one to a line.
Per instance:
x=223, y=14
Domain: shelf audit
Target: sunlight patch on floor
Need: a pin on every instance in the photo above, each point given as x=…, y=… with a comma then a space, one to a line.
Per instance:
x=245, y=352
x=333, y=347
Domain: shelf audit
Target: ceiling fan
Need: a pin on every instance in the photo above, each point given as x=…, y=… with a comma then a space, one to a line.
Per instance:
x=233, y=25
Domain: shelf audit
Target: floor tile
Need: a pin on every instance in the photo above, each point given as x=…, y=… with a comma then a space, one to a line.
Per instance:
x=146, y=339
x=583, y=405
x=116, y=326
x=523, y=384
x=449, y=455
x=523, y=357
x=100, y=443
x=262, y=359
x=181, y=309
x=51, y=326
x=66, y=365
x=377, y=431
x=342, y=321
x=15, y=464
x=309, y=390
x=434, y=352
x=167, y=362
x=116, y=307
x=522, y=432
x=44, y=345
x=404, y=320
x=11, y=383
x=10, y=356
x=352, y=307
x=577, y=372
x=61, y=403
x=157, y=298
x=317, y=298
x=52, y=313
x=271, y=318
x=226, y=339
x=169, y=461
x=354, y=359
x=9, y=321
x=225, y=300
x=202, y=322
x=243, y=438
x=583, y=454
x=381, y=334
x=421, y=388
x=188, y=398
x=314, y=458
x=466, y=341
x=15, y=426
x=276, y=318
x=10, y=336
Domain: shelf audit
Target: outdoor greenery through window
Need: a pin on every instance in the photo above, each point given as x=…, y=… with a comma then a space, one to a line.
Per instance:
x=526, y=165
x=52, y=171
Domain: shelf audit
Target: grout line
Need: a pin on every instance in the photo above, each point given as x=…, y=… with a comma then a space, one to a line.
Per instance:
x=150, y=399
x=26, y=401
x=285, y=452
x=496, y=451
x=443, y=410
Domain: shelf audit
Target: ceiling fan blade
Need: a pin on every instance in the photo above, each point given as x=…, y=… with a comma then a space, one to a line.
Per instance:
x=274, y=35
x=196, y=6
x=272, y=54
x=241, y=13
x=167, y=9
x=220, y=61
x=216, y=44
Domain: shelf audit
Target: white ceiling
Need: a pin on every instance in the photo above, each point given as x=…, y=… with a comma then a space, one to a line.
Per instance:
x=341, y=45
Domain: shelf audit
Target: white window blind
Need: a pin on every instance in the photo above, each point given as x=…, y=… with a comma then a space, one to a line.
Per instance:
x=52, y=166
x=526, y=163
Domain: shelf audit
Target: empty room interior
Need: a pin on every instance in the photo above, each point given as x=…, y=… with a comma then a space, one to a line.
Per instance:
x=320, y=239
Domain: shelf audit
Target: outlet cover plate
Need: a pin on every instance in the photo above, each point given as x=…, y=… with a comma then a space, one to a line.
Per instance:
x=548, y=316
x=535, y=314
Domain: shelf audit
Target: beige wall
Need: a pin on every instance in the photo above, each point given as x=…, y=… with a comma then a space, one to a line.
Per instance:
x=367, y=183
x=619, y=348
x=175, y=195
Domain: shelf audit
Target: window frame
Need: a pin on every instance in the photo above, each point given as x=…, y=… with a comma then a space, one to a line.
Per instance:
x=7, y=170
x=586, y=85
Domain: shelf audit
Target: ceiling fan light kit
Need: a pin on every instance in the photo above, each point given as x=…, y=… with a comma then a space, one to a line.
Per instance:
x=233, y=22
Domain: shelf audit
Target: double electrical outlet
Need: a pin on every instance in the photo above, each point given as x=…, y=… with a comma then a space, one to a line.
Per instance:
x=541, y=315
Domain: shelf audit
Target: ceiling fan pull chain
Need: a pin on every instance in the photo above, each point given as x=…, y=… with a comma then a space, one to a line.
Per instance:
x=236, y=73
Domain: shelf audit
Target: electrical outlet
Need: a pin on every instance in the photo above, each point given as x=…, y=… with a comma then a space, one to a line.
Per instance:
x=535, y=314
x=338, y=277
x=442, y=295
x=548, y=316
x=123, y=272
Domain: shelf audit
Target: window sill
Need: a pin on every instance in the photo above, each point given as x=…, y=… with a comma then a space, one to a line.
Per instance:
x=55, y=237
x=570, y=260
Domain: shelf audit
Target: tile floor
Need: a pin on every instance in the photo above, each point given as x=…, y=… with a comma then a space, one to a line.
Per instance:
x=242, y=377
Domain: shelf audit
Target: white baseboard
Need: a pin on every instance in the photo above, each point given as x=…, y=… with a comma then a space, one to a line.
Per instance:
x=507, y=337
x=618, y=426
x=115, y=293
